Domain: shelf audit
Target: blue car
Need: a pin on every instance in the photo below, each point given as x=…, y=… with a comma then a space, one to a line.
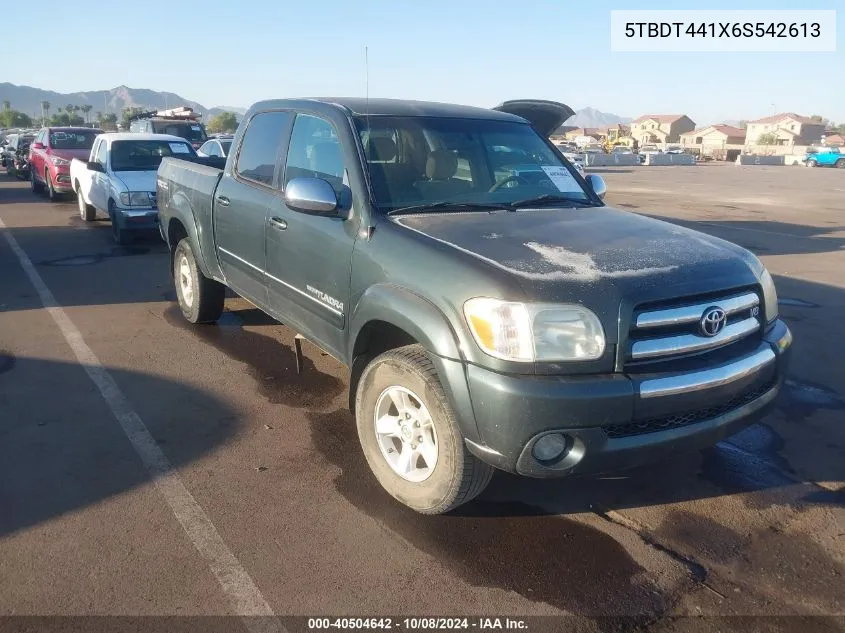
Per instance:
x=827, y=157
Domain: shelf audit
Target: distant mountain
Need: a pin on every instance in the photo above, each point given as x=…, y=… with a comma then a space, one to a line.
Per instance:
x=218, y=109
x=590, y=117
x=28, y=100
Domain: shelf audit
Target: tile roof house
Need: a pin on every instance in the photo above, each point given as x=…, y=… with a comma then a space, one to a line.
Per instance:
x=834, y=140
x=717, y=135
x=584, y=131
x=788, y=128
x=661, y=128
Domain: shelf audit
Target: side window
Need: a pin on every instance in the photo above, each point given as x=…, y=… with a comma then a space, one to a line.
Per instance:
x=314, y=151
x=101, y=154
x=213, y=149
x=259, y=150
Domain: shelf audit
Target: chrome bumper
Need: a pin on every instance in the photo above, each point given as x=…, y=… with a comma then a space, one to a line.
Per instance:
x=721, y=375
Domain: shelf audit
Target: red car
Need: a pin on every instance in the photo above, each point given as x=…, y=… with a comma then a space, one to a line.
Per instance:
x=50, y=155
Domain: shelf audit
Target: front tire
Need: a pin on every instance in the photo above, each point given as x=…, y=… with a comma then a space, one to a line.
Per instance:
x=51, y=192
x=840, y=163
x=812, y=163
x=200, y=298
x=410, y=437
x=119, y=235
x=86, y=211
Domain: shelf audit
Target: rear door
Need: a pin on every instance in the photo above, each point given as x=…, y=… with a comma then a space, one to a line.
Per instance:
x=545, y=116
x=309, y=256
x=244, y=200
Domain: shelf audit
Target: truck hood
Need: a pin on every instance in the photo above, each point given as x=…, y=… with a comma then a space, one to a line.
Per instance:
x=137, y=180
x=595, y=255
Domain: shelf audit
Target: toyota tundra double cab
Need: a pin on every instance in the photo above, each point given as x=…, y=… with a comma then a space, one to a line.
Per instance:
x=494, y=312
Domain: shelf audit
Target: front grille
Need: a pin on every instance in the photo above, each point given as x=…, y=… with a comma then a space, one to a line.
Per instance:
x=674, y=331
x=679, y=420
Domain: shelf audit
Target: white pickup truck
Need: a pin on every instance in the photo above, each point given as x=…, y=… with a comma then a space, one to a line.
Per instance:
x=119, y=178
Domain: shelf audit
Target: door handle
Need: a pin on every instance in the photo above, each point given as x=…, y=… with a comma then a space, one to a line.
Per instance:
x=279, y=223
x=223, y=200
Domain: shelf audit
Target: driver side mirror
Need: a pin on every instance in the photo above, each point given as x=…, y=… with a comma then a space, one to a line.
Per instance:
x=314, y=196
x=596, y=182
x=94, y=166
x=37, y=145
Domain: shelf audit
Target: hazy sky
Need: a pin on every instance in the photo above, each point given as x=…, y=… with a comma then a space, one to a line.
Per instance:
x=227, y=52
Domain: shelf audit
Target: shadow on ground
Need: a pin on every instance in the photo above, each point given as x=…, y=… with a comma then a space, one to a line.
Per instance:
x=62, y=454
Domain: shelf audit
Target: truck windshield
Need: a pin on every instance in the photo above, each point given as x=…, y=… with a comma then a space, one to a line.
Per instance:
x=145, y=155
x=190, y=131
x=72, y=139
x=420, y=161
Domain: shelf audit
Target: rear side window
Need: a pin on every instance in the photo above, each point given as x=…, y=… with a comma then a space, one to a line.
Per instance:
x=260, y=148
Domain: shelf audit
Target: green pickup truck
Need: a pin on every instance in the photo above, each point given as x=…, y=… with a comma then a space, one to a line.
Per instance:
x=493, y=315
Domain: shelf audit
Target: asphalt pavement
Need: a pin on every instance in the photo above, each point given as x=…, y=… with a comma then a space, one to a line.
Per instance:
x=150, y=467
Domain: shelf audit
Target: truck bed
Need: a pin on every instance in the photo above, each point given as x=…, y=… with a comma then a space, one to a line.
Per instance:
x=193, y=180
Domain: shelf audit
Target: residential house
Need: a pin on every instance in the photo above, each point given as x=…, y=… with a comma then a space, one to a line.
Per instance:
x=721, y=141
x=834, y=140
x=661, y=128
x=788, y=129
x=593, y=132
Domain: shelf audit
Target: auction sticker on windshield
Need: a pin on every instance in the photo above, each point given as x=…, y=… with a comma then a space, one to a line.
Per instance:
x=179, y=148
x=561, y=178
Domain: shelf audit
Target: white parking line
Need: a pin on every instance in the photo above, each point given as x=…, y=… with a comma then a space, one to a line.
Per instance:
x=245, y=596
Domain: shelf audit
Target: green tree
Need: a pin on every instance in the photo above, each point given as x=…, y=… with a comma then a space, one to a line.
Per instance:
x=129, y=112
x=69, y=109
x=86, y=109
x=45, y=110
x=223, y=122
x=13, y=118
x=7, y=105
x=769, y=138
x=743, y=124
x=108, y=121
x=66, y=119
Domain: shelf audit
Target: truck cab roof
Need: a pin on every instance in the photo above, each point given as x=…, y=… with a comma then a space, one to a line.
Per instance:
x=546, y=116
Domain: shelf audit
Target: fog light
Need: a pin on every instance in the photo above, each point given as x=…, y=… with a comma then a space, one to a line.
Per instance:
x=549, y=447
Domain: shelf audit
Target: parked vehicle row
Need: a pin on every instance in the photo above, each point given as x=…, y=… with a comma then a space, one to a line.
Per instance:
x=118, y=178
x=15, y=155
x=493, y=311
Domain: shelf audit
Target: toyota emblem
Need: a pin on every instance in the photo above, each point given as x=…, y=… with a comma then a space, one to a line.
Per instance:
x=712, y=321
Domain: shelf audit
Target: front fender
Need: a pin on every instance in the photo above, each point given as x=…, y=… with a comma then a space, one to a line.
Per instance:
x=408, y=311
x=426, y=324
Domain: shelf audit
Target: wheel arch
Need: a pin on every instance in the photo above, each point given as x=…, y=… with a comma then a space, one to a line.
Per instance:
x=388, y=317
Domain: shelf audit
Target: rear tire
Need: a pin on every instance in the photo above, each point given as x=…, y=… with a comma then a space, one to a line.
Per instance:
x=36, y=186
x=456, y=476
x=200, y=298
x=86, y=211
x=812, y=163
x=840, y=163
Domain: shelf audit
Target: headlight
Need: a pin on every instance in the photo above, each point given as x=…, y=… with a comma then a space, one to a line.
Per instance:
x=527, y=332
x=59, y=162
x=770, y=296
x=136, y=199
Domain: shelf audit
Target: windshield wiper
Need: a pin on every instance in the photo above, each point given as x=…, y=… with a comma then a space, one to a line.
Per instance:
x=453, y=206
x=548, y=198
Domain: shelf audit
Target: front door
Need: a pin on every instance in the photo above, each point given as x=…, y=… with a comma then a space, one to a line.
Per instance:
x=309, y=256
x=244, y=200
x=99, y=194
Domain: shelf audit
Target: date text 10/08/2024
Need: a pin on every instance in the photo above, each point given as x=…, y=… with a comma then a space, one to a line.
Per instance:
x=417, y=624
